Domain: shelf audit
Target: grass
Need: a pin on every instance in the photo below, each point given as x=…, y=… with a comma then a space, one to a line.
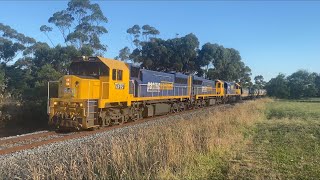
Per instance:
x=262, y=139
x=191, y=147
x=284, y=146
x=293, y=110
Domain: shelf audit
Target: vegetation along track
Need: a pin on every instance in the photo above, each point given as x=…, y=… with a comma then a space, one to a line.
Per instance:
x=31, y=141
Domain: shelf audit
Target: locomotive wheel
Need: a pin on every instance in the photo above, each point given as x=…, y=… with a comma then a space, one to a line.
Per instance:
x=121, y=120
x=105, y=119
x=182, y=106
x=174, y=108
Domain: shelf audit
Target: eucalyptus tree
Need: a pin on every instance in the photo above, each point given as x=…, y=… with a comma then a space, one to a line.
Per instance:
x=259, y=81
x=177, y=54
x=81, y=24
x=124, y=54
x=12, y=43
x=139, y=35
x=227, y=64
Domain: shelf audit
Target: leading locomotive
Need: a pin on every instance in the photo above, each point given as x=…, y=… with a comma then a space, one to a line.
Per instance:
x=102, y=92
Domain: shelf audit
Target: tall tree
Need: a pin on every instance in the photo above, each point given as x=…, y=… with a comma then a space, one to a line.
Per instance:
x=81, y=24
x=259, y=81
x=317, y=82
x=124, y=54
x=178, y=54
x=302, y=84
x=3, y=80
x=46, y=29
x=228, y=65
x=207, y=55
x=138, y=36
x=12, y=43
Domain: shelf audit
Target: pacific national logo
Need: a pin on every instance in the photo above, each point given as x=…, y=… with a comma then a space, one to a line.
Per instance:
x=157, y=87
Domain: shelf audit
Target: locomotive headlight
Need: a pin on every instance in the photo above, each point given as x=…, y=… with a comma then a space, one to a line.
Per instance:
x=80, y=104
x=55, y=103
x=67, y=82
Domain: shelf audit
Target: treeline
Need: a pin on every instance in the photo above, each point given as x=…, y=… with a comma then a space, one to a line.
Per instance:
x=301, y=84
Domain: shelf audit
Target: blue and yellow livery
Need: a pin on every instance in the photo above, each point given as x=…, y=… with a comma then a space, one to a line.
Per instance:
x=102, y=92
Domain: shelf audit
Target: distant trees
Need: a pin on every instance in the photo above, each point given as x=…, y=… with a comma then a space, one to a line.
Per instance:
x=278, y=87
x=259, y=82
x=300, y=84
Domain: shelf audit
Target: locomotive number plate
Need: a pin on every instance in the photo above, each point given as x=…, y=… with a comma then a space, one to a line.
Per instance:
x=119, y=85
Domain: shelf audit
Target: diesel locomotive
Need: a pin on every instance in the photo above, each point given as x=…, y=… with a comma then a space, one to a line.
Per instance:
x=102, y=92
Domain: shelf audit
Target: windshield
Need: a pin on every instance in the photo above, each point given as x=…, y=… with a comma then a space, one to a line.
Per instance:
x=88, y=69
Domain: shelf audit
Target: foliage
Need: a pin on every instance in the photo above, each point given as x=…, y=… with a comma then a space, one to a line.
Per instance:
x=278, y=87
x=12, y=43
x=81, y=25
x=183, y=55
x=259, y=82
x=227, y=64
x=138, y=37
x=178, y=54
x=124, y=54
x=300, y=84
x=2, y=78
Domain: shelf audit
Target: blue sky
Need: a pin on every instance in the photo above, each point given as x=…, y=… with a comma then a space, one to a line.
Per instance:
x=272, y=37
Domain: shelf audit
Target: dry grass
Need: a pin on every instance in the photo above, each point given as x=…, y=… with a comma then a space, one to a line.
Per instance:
x=198, y=146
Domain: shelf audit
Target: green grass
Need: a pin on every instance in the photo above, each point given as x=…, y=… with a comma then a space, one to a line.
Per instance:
x=284, y=146
x=293, y=110
x=292, y=147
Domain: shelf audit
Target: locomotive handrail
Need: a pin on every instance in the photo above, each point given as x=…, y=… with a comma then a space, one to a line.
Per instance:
x=48, y=98
x=87, y=114
x=202, y=90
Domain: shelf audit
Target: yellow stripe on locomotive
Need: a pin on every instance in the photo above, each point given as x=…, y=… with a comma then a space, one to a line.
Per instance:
x=100, y=92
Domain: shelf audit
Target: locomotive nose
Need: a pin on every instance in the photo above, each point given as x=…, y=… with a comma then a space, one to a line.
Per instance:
x=68, y=86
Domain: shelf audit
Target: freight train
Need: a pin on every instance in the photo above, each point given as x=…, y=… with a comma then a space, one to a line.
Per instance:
x=101, y=92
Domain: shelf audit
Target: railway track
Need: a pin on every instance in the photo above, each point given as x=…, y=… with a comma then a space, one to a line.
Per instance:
x=25, y=142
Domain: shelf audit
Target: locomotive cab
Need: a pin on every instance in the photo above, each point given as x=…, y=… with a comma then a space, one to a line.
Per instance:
x=219, y=87
x=92, y=84
x=238, y=89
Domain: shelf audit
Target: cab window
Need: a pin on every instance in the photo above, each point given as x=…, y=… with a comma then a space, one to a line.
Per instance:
x=119, y=75
x=88, y=68
x=114, y=74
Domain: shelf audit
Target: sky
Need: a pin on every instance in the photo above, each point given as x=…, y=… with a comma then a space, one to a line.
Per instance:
x=272, y=37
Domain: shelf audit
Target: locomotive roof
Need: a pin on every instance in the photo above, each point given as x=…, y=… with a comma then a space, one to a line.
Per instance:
x=111, y=63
